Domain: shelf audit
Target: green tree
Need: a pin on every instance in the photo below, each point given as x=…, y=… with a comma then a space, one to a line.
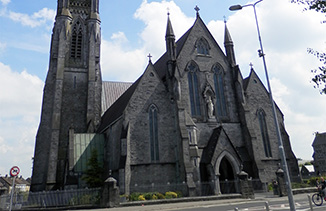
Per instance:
x=94, y=173
x=319, y=73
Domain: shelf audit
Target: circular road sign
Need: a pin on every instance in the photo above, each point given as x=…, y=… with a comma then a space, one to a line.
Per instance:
x=14, y=171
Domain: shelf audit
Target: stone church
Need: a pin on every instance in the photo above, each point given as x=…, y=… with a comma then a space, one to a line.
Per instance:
x=190, y=118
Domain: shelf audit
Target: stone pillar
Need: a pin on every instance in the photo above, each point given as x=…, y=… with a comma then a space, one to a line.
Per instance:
x=110, y=194
x=281, y=182
x=217, y=184
x=246, y=188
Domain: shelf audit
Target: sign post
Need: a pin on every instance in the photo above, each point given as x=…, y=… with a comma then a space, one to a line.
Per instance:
x=14, y=171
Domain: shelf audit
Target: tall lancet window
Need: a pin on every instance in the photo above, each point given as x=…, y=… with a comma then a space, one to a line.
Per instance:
x=202, y=46
x=76, y=41
x=264, y=133
x=193, y=69
x=153, y=133
x=219, y=90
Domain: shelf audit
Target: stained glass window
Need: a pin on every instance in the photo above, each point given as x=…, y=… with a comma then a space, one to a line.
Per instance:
x=219, y=91
x=153, y=132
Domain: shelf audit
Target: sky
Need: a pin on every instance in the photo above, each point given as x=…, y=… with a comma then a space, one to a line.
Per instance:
x=131, y=29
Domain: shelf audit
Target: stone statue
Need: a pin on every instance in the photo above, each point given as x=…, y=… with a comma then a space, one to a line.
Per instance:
x=210, y=107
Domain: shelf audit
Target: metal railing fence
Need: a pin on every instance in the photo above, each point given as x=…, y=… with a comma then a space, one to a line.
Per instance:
x=52, y=198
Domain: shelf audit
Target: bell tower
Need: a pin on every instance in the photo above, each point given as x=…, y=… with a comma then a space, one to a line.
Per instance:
x=72, y=91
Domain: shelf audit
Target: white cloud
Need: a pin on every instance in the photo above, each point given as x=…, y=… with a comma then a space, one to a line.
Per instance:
x=5, y=2
x=37, y=19
x=286, y=33
x=19, y=118
x=119, y=62
x=154, y=15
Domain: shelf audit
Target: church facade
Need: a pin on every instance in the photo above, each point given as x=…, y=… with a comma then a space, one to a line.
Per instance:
x=190, y=119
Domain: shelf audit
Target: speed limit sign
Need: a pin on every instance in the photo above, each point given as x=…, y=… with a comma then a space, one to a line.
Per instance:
x=14, y=171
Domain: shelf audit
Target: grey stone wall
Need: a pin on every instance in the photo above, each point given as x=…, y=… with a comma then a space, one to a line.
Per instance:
x=72, y=95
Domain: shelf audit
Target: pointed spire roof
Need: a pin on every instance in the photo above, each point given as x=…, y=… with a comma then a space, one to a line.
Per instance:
x=169, y=29
x=227, y=36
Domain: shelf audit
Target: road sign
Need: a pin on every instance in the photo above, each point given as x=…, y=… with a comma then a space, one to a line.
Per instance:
x=14, y=171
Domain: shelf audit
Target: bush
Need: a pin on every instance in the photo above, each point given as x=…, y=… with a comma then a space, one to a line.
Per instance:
x=134, y=196
x=160, y=196
x=170, y=195
x=153, y=196
x=141, y=198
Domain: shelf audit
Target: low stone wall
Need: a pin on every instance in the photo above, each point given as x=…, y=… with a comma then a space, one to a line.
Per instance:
x=304, y=190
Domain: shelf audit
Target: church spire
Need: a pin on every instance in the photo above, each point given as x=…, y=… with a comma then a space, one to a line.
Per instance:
x=228, y=44
x=170, y=40
x=74, y=75
x=172, y=55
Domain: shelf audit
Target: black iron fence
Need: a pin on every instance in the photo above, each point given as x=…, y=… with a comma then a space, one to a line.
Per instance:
x=45, y=199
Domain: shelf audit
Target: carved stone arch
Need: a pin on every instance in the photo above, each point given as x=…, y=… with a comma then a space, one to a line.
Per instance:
x=192, y=66
x=208, y=91
x=226, y=183
x=77, y=38
x=152, y=106
x=218, y=68
x=219, y=85
x=234, y=162
x=202, y=46
x=194, y=87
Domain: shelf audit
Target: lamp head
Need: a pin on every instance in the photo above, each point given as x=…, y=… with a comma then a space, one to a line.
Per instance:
x=235, y=7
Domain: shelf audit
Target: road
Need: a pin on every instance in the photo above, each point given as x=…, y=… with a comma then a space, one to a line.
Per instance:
x=258, y=204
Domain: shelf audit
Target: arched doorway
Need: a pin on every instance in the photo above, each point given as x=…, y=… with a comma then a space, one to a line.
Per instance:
x=227, y=177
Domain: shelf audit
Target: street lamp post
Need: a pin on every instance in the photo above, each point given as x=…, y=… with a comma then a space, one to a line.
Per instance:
x=279, y=137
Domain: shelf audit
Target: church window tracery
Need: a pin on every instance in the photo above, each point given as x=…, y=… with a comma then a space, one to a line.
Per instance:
x=76, y=41
x=202, y=46
x=192, y=69
x=264, y=133
x=219, y=90
x=153, y=132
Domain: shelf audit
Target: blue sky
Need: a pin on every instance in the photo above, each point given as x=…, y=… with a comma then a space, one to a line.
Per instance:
x=133, y=28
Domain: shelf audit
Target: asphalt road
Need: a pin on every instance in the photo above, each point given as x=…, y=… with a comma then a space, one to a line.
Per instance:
x=257, y=204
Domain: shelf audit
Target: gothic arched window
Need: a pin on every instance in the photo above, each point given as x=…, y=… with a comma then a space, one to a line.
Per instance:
x=202, y=46
x=76, y=41
x=192, y=69
x=153, y=133
x=219, y=91
x=264, y=133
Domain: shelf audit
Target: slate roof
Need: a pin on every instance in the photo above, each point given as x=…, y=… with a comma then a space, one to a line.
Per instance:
x=111, y=91
x=117, y=108
x=7, y=181
x=320, y=139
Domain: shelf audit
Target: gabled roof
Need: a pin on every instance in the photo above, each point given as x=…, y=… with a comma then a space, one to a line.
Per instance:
x=7, y=181
x=309, y=168
x=247, y=81
x=320, y=139
x=111, y=91
x=117, y=108
x=209, y=150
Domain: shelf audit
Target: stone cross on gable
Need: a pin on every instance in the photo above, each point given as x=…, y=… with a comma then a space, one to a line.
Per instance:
x=149, y=57
x=197, y=10
x=251, y=66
